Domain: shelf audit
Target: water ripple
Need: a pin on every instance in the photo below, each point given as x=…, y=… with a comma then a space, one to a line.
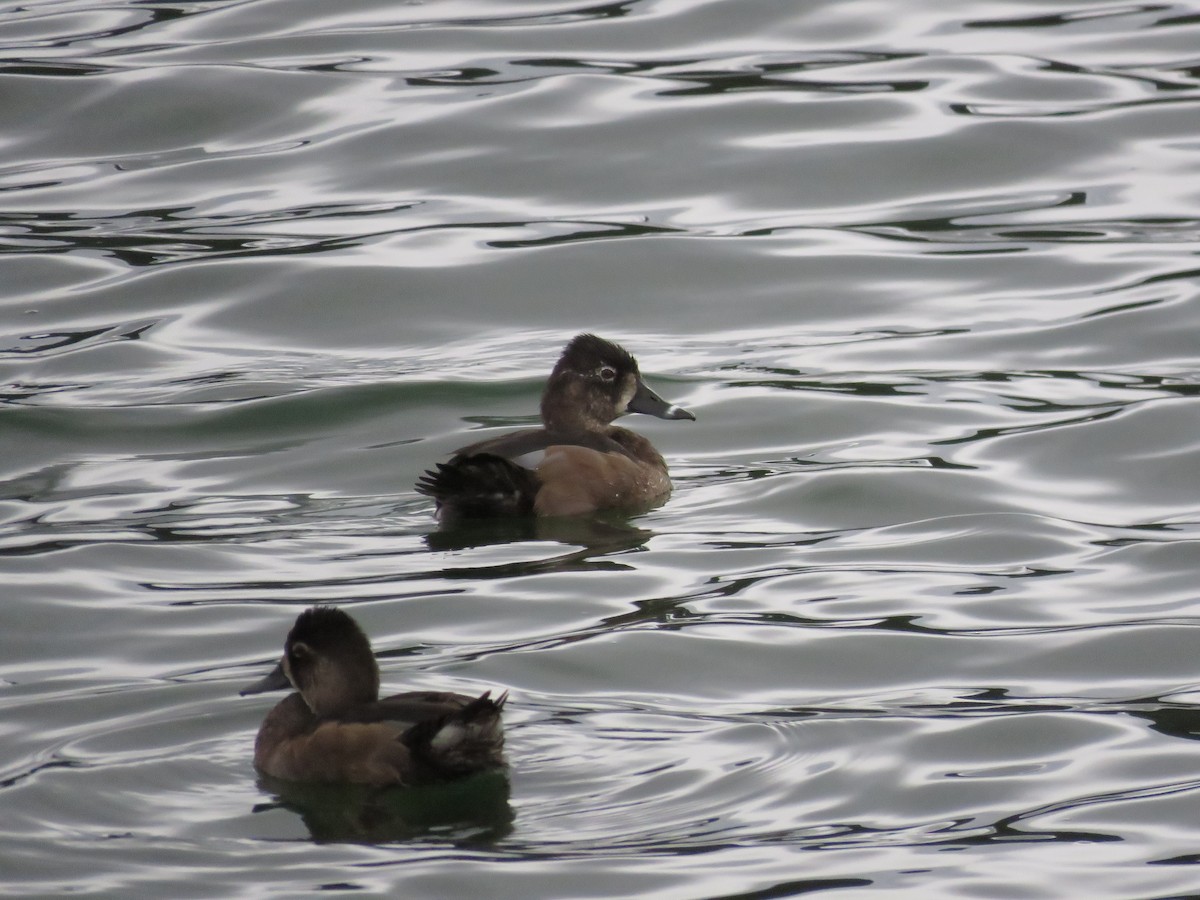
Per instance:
x=926, y=582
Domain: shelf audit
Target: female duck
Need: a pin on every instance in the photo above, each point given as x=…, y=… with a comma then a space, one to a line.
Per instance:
x=578, y=462
x=336, y=729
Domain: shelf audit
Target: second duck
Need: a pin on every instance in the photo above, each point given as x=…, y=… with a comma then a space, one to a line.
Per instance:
x=335, y=727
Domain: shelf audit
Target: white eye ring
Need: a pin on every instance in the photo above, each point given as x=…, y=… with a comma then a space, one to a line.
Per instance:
x=608, y=373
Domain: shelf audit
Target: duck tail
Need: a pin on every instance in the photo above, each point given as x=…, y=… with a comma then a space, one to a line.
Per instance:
x=480, y=486
x=464, y=741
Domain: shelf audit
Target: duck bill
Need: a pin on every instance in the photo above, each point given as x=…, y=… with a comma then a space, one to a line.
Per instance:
x=275, y=681
x=649, y=403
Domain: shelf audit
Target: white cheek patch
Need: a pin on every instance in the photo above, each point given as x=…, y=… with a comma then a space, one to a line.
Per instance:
x=627, y=394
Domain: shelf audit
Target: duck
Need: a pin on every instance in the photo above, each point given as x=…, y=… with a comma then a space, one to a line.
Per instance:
x=578, y=462
x=335, y=727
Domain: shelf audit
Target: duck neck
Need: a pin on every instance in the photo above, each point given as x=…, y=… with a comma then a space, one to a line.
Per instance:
x=568, y=407
x=340, y=688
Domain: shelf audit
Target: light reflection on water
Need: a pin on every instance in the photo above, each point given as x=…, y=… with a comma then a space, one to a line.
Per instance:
x=919, y=614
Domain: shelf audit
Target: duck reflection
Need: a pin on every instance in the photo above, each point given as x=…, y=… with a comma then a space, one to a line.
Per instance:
x=471, y=811
x=593, y=535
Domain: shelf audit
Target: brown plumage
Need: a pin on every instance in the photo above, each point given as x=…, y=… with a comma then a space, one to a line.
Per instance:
x=578, y=462
x=337, y=729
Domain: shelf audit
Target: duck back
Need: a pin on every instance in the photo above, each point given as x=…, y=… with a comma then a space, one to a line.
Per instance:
x=407, y=739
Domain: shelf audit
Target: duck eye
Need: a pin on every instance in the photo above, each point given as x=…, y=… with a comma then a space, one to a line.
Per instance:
x=607, y=373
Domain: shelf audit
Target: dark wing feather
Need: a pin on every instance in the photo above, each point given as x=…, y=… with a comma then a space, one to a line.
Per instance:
x=483, y=480
x=463, y=741
x=481, y=485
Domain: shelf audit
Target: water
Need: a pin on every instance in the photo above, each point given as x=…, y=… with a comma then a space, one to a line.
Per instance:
x=919, y=618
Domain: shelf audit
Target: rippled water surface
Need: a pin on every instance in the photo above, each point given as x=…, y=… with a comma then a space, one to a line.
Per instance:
x=921, y=616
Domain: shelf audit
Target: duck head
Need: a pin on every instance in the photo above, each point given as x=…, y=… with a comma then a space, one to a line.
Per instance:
x=328, y=659
x=594, y=382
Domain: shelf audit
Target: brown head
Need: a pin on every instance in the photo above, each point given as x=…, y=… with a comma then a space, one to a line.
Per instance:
x=328, y=659
x=593, y=383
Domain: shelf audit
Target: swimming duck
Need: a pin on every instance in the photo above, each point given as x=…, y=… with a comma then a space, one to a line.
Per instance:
x=577, y=462
x=337, y=729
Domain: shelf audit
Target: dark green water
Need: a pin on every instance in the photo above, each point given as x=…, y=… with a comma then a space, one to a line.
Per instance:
x=920, y=618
